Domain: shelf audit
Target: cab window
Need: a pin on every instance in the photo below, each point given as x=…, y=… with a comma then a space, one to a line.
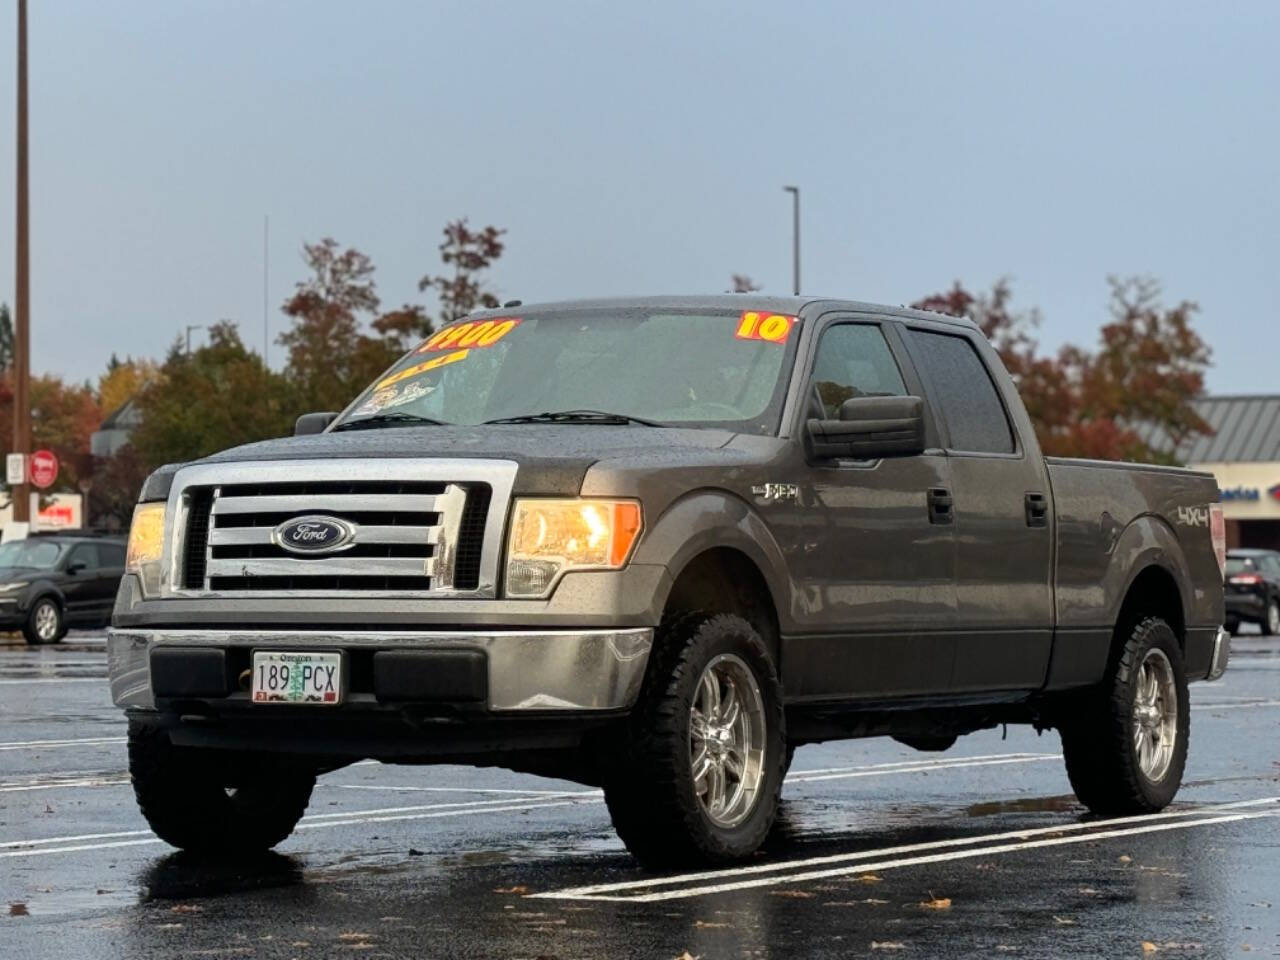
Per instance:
x=854, y=360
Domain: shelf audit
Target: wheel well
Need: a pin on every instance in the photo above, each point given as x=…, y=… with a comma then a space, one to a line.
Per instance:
x=1153, y=592
x=724, y=580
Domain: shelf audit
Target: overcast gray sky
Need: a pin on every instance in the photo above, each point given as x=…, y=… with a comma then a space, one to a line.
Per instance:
x=642, y=148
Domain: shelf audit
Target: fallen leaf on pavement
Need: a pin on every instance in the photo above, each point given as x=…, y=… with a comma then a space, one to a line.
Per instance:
x=687, y=956
x=887, y=945
x=18, y=910
x=1065, y=921
x=937, y=903
x=868, y=878
x=1125, y=858
x=519, y=888
x=708, y=925
x=1149, y=947
x=793, y=894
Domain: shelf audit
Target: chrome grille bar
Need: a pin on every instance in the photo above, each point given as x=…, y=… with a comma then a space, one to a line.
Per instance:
x=365, y=534
x=336, y=566
x=328, y=503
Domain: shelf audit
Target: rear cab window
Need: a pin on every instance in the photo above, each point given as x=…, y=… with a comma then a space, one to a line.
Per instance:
x=964, y=393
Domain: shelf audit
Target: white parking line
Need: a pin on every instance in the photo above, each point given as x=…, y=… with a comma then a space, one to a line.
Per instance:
x=74, y=844
x=1236, y=706
x=13, y=683
x=49, y=744
x=865, y=861
x=56, y=783
x=926, y=766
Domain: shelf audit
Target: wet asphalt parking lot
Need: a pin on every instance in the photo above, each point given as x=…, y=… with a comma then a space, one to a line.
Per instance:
x=881, y=852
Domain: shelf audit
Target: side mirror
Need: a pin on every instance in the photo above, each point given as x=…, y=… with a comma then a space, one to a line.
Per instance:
x=310, y=423
x=77, y=568
x=870, y=428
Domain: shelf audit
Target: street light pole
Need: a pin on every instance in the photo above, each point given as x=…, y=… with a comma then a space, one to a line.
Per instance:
x=795, y=238
x=190, y=327
x=22, y=286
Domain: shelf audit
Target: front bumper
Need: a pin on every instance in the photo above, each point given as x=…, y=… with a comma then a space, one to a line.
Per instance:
x=545, y=671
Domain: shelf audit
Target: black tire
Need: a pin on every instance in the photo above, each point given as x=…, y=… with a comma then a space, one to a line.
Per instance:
x=214, y=802
x=650, y=788
x=1098, y=743
x=1232, y=626
x=36, y=629
x=786, y=761
x=1270, y=622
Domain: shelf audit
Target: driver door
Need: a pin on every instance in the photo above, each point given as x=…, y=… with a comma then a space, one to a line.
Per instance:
x=875, y=564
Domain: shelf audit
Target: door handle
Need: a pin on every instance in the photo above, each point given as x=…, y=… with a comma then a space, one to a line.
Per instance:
x=941, y=506
x=1037, y=507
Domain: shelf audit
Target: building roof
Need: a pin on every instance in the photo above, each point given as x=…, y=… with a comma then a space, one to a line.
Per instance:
x=1245, y=429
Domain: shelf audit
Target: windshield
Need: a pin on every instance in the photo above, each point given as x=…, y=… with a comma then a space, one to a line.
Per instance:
x=41, y=554
x=709, y=368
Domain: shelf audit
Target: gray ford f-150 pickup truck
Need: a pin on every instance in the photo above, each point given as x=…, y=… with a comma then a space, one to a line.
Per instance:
x=653, y=545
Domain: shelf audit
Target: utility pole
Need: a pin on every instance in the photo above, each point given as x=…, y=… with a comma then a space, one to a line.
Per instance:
x=266, y=274
x=795, y=238
x=22, y=287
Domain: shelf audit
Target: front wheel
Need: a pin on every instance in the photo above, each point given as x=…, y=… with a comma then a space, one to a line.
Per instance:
x=1126, y=748
x=1271, y=620
x=45, y=623
x=699, y=778
x=215, y=802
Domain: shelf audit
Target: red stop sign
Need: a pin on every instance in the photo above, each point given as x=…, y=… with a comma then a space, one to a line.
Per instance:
x=44, y=468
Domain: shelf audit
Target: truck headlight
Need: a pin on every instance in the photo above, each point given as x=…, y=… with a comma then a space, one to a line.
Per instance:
x=146, y=545
x=549, y=537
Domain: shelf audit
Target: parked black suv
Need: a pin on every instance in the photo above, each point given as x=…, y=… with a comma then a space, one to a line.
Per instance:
x=1253, y=589
x=49, y=582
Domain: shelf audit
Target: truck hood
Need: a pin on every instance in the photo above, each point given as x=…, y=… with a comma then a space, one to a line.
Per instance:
x=552, y=458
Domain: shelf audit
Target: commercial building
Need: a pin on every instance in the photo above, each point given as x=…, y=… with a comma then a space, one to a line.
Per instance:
x=1244, y=454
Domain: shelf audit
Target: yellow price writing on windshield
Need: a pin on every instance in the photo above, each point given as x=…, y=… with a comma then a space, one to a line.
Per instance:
x=476, y=333
x=421, y=368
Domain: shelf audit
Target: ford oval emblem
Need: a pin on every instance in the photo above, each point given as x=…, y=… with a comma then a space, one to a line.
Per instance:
x=314, y=535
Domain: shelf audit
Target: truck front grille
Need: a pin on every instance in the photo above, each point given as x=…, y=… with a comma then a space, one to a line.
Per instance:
x=409, y=536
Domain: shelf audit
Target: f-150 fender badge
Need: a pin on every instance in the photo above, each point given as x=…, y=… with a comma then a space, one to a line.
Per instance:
x=776, y=492
x=1194, y=516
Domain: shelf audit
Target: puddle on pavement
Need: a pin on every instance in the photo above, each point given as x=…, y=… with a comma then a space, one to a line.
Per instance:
x=1063, y=804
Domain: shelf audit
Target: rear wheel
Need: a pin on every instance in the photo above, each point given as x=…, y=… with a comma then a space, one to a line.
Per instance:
x=1127, y=747
x=214, y=802
x=45, y=623
x=1232, y=626
x=700, y=776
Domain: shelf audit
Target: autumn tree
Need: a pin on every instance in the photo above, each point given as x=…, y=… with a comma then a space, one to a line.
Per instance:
x=469, y=253
x=1130, y=399
x=219, y=396
x=331, y=358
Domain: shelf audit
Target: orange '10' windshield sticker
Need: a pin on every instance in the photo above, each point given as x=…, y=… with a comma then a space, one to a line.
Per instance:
x=474, y=333
x=773, y=327
x=421, y=368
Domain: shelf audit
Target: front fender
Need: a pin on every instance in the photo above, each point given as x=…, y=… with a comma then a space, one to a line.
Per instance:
x=707, y=519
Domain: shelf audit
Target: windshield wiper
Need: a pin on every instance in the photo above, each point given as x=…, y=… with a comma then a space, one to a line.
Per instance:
x=389, y=420
x=579, y=416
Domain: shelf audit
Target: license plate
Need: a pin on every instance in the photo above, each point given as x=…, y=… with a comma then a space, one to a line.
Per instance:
x=287, y=677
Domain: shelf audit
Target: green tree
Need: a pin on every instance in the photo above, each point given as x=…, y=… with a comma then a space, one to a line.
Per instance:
x=6, y=337
x=220, y=396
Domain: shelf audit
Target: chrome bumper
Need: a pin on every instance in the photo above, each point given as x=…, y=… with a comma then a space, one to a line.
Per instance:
x=528, y=670
x=1221, y=654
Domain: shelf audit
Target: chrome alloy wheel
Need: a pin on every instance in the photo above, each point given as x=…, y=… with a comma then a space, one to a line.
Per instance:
x=1155, y=715
x=727, y=736
x=46, y=621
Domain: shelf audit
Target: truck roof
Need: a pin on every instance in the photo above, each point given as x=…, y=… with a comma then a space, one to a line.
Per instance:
x=788, y=305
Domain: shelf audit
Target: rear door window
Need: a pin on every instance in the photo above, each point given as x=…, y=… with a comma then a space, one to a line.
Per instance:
x=970, y=406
